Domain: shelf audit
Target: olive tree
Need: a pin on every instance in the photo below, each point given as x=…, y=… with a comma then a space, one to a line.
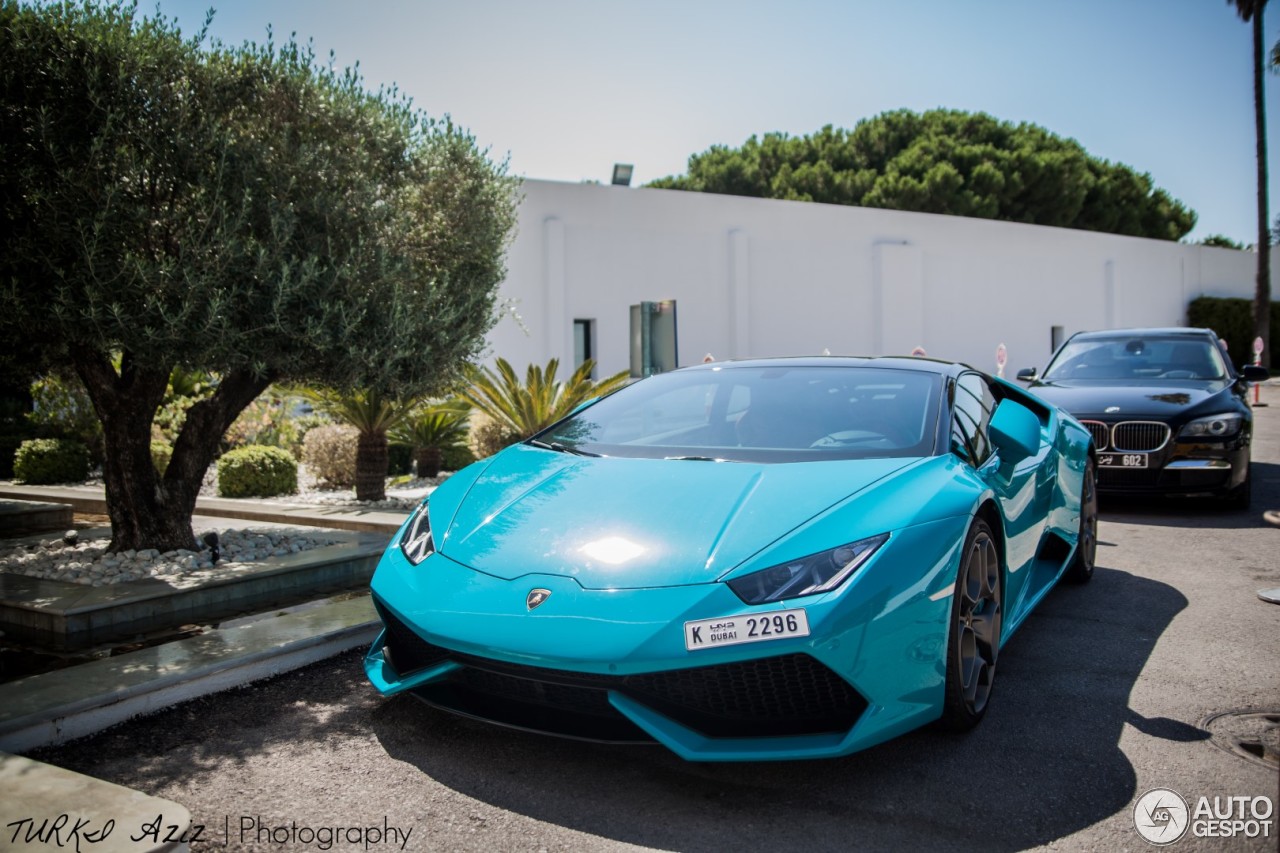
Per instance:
x=239, y=210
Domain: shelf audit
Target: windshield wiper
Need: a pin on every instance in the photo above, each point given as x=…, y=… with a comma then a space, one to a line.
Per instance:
x=560, y=448
x=698, y=459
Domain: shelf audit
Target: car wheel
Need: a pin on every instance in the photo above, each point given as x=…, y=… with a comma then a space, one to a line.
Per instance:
x=974, y=639
x=1081, y=568
x=1241, y=497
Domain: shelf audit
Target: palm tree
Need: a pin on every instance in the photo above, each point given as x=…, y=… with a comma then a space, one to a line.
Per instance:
x=1250, y=11
x=521, y=409
x=430, y=431
x=374, y=415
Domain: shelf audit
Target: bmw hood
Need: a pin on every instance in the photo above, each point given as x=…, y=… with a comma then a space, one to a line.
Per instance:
x=614, y=523
x=1117, y=398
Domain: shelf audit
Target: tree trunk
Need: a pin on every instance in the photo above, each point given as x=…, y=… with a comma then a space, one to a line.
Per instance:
x=1262, y=293
x=428, y=460
x=146, y=510
x=371, y=466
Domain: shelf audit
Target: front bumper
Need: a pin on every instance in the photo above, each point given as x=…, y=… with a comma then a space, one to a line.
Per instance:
x=611, y=665
x=1182, y=468
x=1176, y=468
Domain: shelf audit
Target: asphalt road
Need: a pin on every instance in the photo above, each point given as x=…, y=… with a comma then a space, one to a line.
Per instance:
x=1098, y=701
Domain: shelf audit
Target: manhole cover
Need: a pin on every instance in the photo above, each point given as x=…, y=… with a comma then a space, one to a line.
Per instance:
x=1251, y=734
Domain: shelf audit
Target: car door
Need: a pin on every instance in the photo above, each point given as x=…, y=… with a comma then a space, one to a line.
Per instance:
x=1017, y=487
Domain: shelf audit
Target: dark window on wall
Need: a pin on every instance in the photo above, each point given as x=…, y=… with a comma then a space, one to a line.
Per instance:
x=584, y=345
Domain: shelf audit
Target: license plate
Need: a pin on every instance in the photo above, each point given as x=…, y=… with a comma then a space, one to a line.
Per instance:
x=756, y=628
x=1122, y=460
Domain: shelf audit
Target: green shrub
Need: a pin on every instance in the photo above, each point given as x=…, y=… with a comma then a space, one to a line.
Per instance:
x=1232, y=319
x=161, y=453
x=456, y=458
x=169, y=419
x=9, y=444
x=329, y=452
x=270, y=420
x=42, y=461
x=61, y=409
x=257, y=471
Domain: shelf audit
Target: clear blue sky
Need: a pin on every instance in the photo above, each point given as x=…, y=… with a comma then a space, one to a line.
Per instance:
x=569, y=87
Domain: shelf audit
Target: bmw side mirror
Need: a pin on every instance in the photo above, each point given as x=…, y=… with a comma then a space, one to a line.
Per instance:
x=1254, y=373
x=1028, y=374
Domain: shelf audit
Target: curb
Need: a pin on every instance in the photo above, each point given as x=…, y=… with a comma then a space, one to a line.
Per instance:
x=55, y=707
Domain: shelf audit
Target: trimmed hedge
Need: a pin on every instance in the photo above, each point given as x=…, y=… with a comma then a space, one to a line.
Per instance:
x=1232, y=319
x=257, y=471
x=43, y=461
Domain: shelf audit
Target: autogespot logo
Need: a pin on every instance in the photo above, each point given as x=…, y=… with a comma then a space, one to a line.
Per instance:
x=1161, y=816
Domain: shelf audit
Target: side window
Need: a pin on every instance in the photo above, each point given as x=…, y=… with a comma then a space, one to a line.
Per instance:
x=972, y=406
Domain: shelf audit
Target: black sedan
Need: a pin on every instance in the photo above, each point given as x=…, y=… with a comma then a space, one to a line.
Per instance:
x=1168, y=412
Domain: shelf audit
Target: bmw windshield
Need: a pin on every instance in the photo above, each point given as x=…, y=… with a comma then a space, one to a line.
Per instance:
x=1137, y=359
x=760, y=414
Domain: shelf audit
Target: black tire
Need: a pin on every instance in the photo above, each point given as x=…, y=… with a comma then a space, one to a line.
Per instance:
x=1081, y=568
x=973, y=639
x=1241, y=497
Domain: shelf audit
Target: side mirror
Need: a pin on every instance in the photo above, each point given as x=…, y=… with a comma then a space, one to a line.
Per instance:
x=1015, y=431
x=1028, y=374
x=1254, y=373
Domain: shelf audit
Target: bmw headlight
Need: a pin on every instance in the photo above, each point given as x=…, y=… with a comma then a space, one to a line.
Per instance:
x=810, y=575
x=416, y=543
x=1214, y=426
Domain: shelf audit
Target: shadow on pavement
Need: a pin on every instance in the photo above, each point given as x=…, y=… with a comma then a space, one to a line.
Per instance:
x=1044, y=764
x=1198, y=512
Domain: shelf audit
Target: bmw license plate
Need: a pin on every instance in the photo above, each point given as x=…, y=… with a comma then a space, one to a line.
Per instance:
x=756, y=628
x=1122, y=460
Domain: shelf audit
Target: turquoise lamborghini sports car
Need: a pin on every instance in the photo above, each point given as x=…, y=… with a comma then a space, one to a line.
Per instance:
x=767, y=559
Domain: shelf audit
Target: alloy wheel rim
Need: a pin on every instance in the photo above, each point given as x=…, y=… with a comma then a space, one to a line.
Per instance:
x=1089, y=521
x=979, y=623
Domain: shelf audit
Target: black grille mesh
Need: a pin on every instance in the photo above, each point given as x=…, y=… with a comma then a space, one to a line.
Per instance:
x=769, y=697
x=409, y=653
x=1139, y=436
x=794, y=688
x=1101, y=434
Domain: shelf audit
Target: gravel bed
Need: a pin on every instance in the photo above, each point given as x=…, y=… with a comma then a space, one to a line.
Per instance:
x=88, y=562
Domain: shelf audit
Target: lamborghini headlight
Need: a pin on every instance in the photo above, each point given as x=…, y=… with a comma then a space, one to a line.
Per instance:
x=416, y=543
x=810, y=575
x=1214, y=426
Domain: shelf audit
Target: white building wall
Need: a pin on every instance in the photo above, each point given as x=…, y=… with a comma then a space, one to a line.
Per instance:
x=756, y=277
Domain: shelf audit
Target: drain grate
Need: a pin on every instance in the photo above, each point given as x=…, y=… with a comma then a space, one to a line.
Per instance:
x=1248, y=733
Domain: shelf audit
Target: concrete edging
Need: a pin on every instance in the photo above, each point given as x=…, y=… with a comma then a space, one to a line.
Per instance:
x=55, y=707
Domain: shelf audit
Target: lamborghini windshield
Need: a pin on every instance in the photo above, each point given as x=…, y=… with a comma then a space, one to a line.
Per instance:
x=1139, y=358
x=760, y=414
